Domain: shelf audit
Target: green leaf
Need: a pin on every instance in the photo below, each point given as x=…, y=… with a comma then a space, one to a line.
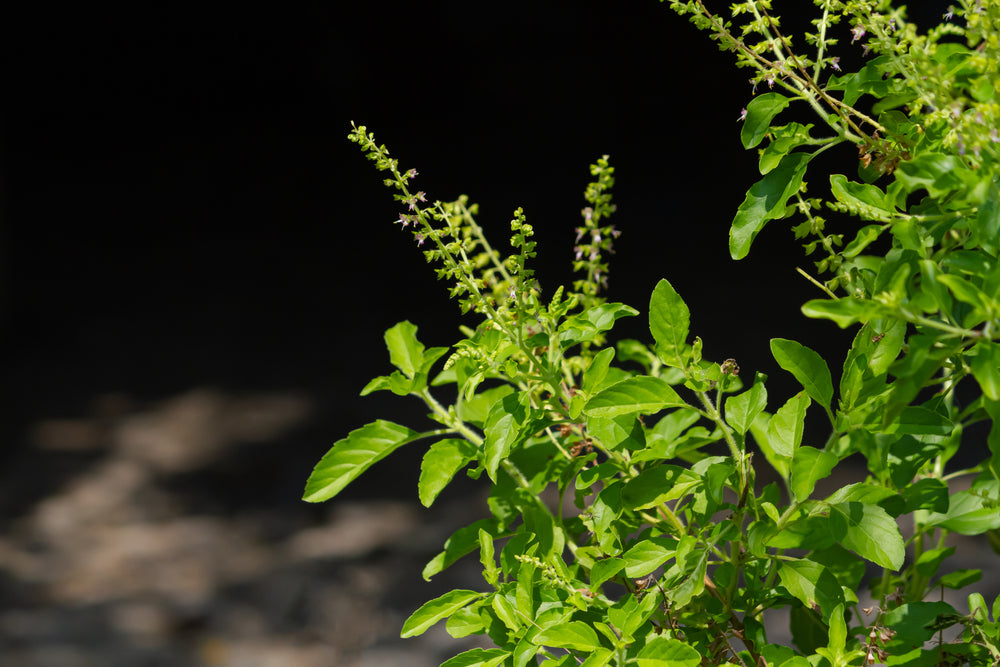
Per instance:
x=966, y=292
x=629, y=614
x=598, y=658
x=591, y=322
x=913, y=622
x=862, y=239
x=784, y=431
x=812, y=584
x=468, y=621
x=643, y=394
x=487, y=557
x=405, y=352
x=939, y=173
x=594, y=376
x=669, y=322
x=604, y=570
x=967, y=514
x=504, y=610
x=960, y=579
x=463, y=541
x=433, y=611
x=867, y=200
x=784, y=139
x=760, y=112
x=502, y=429
x=871, y=533
x=846, y=311
x=351, y=456
x=478, y=657
x=574, y=635
x=693, y=583
x=765, y=201
x=440, y=465
x=929, y=562
x=743, y=408
x=663, y=652
x=986, y=368
x=658, y=484
x=807, y=367
x=809, y=466
x=647, y=555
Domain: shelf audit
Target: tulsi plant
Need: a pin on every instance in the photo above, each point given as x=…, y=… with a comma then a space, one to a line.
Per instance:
x=626, y=525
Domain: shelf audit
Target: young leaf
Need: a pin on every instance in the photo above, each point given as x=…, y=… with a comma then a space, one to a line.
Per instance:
x=574, y=635
x=487, y=557
x=811, y=583
x=913, y=622
x=462, y=541
x=594, y=376
x=871, y=533
x=968, y=514
x=986, y=368
x=405, y=352
x=351, y=456
x=433, y=611
x=784, y=431
x=588, y=324
x=743, y=408
x=643, y=394
x=669, y=322
x=502, y=430
x=664, y=652
x=604, y=570
x=478, y=657
x=807, y=367
x=760, y=112
x=809, y=466
x=647, y=555
x=844, y=312
x=868, y=200
x=440, y=464
x=765, y=201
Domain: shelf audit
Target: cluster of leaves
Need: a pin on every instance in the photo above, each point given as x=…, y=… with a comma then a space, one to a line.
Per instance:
x=626, y=524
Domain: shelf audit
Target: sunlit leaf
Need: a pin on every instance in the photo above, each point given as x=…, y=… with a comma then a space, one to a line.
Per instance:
x=351, y=456
x=433, y=611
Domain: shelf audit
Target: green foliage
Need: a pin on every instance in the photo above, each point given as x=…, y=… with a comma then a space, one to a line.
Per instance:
x=675, y=555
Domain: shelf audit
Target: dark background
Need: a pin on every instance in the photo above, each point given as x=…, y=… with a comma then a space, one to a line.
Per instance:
x=182, y=212
x=183, y=207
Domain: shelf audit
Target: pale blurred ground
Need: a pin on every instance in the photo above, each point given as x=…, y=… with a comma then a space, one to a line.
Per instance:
x=124, y=564
x=145, y=550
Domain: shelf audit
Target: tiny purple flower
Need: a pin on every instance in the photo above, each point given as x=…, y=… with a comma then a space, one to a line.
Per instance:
x=835, y=63
x=950, y=14
x=403, y=219
x=858, y=32
x=994, y=136
x=743, y=115
x=411, y=173
x=617, y=232
x=864, y=49
x=579, y=252
x=420, y=239
x=754, y=86
x=421, y=196
x=579, y=233
x=588, y=213
x=770, y=80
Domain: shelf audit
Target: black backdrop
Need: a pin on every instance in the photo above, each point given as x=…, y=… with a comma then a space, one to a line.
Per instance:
x=182, y=207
